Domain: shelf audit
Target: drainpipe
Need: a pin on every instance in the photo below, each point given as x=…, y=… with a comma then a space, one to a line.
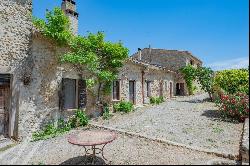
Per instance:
x=142, y=81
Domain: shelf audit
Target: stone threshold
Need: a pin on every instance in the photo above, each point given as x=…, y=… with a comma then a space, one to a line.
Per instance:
x=168, y=142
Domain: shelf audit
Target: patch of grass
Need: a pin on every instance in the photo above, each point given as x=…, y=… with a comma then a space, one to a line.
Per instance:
x=210, y=140
x=187, y=130
x=156, y=100
x=218, y=130
x=106, y=113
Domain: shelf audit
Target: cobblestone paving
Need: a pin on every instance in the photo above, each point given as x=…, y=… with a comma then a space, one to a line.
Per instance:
x=184, y=120
x=188, y=120
x=125, y=150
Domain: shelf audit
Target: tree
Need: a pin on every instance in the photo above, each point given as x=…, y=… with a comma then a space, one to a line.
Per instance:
x=205, y=76
x=233, y=81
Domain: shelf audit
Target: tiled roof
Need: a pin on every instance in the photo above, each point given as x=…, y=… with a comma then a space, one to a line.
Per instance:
x=173, y=52
x=143, y=63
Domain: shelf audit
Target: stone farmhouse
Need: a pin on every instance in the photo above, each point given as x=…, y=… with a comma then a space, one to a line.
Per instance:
x=35, y=88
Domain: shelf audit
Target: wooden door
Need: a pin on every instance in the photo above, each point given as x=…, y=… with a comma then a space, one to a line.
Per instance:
x=132, y=91
x=4, y=98
x=171, y=89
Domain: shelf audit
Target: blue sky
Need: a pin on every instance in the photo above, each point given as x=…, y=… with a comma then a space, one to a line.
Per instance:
x=216, y=31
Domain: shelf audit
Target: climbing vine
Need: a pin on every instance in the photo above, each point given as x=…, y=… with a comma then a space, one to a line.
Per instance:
x=189, y=74
x=102, y=59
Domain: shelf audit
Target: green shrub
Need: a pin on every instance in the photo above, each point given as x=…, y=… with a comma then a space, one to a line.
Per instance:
x=161, y=99
x=152, y=100
x=233, y=81
x=106, y=112
x=123, y=107
x=156, y=100
x=235, y=106
x=54, y=129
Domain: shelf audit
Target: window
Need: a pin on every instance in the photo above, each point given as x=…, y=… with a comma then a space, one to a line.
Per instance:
x=116, y=90
x=148, y=88
x=73, y=94
x=191, y=62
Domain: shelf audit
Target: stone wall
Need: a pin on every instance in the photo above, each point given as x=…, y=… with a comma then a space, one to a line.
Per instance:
x=39, y=100
x=133, y=72
x=244, y=150
x=15, y=47
x=15, y=33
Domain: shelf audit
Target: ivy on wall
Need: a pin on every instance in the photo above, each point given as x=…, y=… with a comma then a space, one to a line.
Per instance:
x=189, y=74
x=101, y=58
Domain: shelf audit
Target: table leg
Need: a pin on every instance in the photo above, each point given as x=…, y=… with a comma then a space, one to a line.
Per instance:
x=102, y=152
x=93, y=155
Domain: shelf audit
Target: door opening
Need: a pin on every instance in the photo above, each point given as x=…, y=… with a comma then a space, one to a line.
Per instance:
x=132, y=91
x=4, y=104
x=180, y=89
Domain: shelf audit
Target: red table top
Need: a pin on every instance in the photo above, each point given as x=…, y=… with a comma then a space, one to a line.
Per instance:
x=91, y=138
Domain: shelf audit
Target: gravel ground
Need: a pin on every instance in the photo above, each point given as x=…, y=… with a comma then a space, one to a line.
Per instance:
x=188, y=120
x=125, y=150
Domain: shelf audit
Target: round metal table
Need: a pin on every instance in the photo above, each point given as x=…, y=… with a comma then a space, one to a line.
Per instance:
x=90, y=139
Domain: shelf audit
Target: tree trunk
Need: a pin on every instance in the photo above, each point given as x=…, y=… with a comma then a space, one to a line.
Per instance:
x=210, y=96
x=98, y=93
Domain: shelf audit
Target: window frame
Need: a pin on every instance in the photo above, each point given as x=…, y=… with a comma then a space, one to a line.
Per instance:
x=76, y=103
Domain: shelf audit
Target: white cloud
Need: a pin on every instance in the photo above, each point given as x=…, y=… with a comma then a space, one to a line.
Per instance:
x=230, y=64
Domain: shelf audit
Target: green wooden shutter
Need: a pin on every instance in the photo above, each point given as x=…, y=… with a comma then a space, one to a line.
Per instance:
x=82, y=94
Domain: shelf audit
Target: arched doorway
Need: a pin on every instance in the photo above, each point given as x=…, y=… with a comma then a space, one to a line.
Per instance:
x=180, y=89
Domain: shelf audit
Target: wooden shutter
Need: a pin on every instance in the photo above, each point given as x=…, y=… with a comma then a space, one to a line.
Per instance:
x=61, y=95
x=82, y=94
x=148, y=89
x=116, y=90
x=69, y=93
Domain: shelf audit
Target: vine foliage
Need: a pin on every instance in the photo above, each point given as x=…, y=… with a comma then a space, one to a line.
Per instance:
x=101, y=58
x=189, y=74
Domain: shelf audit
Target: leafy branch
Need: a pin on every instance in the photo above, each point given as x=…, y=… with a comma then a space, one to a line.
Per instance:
x=102, y=59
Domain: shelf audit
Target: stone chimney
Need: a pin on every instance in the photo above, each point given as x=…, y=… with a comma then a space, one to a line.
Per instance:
x=69, y=8
x=139, y=54
x=150, y=53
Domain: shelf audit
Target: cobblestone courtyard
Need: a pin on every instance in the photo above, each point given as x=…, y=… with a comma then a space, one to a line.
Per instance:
x=187, y=120
x=181, y=120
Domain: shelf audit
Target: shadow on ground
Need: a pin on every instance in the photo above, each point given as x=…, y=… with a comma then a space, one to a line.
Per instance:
x=197, y=100
x=84, y=160
x=215, y=115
